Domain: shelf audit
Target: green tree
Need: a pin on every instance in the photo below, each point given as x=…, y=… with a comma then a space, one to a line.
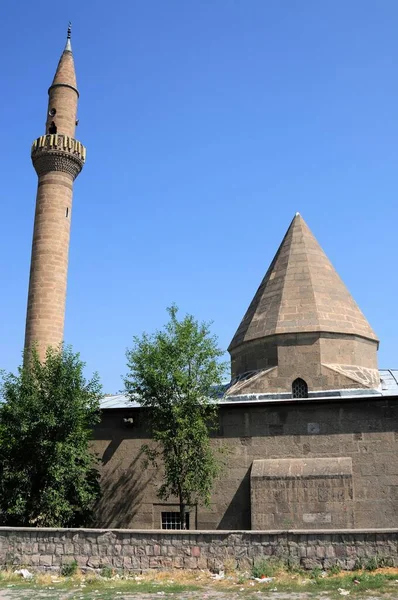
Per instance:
x=174, y=373
x=48, y=475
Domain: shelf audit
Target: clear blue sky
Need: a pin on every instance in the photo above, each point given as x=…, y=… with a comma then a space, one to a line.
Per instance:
x=208, y=124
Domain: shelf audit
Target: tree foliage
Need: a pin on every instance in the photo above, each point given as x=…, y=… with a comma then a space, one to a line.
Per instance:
x=174, y=373
x=48, y=475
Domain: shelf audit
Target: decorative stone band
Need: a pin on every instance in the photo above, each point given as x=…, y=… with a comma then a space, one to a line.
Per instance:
x=56, y=152
x=63, y=85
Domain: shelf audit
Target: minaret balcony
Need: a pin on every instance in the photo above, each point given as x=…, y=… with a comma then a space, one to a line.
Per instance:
x=58, y=152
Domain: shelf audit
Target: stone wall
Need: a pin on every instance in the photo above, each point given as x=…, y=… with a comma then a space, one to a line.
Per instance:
x=364, y=430
x=141, y=550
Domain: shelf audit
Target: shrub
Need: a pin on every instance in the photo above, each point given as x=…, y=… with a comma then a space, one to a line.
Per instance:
x=264, y=568
x=372, y=564
x=107, y=572
x=69, y=569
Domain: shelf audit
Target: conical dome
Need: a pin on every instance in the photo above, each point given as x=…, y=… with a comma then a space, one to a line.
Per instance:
x=301, y=292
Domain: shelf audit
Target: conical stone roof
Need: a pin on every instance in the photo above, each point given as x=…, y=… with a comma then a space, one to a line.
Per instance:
x=301, y=292
x=65, y=73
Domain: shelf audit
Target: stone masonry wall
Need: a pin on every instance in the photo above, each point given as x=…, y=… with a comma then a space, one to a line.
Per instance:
x=141, y=550
x=364, y=430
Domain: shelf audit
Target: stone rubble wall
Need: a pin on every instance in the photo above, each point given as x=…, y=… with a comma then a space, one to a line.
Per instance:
x=131, y=550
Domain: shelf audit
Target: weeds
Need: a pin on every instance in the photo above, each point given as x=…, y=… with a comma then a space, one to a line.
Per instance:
x=286, y=578
x=334, y=570
x=107, y=572
x=358, y=565
x=293, y=566
x=265, y=568
x=69, y=569
x=229, y=565
x=372, y=564
x=316, y=573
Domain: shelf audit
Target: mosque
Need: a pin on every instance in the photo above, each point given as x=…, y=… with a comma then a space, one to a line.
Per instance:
x=309, y=420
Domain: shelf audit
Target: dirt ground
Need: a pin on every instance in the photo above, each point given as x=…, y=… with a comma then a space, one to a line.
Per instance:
x=204, y=594
x=382, y=584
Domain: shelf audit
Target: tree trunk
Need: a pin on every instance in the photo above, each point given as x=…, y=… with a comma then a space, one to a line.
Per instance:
x=182, y=513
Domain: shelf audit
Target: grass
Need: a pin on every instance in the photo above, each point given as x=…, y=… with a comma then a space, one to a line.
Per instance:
x=358, y=582
x=236, y=584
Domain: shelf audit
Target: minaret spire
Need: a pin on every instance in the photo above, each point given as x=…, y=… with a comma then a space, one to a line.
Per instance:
x=68, y=46
x=58, y=159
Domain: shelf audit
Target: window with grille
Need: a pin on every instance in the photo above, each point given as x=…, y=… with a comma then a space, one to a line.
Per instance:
x=171, y=520
x=299, y=389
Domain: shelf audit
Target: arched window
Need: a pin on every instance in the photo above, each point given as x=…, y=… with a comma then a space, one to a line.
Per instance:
x=299, y=388
x=52, y=128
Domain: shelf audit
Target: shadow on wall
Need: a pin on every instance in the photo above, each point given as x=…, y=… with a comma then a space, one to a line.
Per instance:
x=122, y=490
x=237, y=515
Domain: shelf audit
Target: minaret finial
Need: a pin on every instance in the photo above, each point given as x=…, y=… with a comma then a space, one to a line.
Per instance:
x=68, y=36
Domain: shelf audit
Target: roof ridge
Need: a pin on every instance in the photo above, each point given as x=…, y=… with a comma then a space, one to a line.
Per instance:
x=311, y=275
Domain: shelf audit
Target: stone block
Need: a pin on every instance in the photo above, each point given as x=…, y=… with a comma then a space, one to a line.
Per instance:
x=94, y=562
x=82, y=561
x=178, y=562
x=330, y=552
x=190, y=562
x=202, y=562
x=117, y=562
x=135, y=562
x=59, y=549
x=46, y=560
x=128, y=551
x=245, y=563
x=144, y=562
x=69, y=548
x=310, y=563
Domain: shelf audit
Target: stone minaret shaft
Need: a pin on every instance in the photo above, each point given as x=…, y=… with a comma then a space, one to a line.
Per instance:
x=57, y=158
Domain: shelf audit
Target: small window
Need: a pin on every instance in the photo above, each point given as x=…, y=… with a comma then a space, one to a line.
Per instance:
x=299, y=388
x=52, y=112
x=53, y=128
x=171, y=520
x=67, y=212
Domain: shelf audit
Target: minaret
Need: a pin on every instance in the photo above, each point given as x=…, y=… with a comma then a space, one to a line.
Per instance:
x=58, y=159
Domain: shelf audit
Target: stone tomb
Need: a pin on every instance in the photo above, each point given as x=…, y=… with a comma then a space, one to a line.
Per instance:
x=312, y=493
